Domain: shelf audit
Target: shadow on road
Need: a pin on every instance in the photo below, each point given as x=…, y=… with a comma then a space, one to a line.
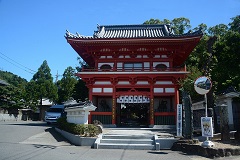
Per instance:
x=27, y=123
x=44, y=146
x=157, y=152
x=57, y=136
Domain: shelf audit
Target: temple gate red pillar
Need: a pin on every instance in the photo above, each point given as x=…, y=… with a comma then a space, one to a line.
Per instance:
x=114, y=106
x=151, y=109
x=176, y=99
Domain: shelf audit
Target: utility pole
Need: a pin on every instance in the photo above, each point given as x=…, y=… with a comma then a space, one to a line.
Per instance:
x=57, y=75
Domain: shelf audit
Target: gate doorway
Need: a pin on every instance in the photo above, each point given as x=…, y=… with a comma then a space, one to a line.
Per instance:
x=133, y=114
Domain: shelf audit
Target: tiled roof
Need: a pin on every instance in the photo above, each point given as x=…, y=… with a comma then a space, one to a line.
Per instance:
x=131, y=31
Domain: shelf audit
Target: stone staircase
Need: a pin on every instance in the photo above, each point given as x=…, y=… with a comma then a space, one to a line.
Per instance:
x=135, y=142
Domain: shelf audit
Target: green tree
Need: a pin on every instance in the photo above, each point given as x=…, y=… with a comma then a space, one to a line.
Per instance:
x=32, y=95
x=180, y=25
x=202, y=27
x=80, y=92
x=218, y=30
x=226, y=71
x=12, y=95
x=187, y=84
x=157, y=21
x=66, y=85
x=44, y=86
x=235, y=24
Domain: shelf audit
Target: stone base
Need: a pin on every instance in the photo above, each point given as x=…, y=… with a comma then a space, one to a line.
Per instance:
x=207, y=143
x=187, y=146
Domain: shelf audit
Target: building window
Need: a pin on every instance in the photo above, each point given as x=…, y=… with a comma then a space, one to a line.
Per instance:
x=133, y=66
x=106, y=67
x=161, y=67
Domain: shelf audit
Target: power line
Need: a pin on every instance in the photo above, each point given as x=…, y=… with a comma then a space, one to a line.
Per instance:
x=16, y=64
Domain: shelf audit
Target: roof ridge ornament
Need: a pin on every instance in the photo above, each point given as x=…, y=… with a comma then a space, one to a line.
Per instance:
x=69, y=35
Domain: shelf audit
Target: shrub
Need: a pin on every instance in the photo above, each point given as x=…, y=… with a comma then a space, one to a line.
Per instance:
x=79, y=129
x=88, y=130
x=91, y=130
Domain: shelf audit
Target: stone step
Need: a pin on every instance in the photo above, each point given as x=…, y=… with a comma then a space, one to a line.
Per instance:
x=137, y=142
x=117, y=136
x=126, y=146
x=127, y=141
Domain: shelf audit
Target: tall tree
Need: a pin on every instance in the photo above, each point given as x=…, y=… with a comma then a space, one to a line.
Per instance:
x=80, y=92
x=67, y=85
x=44, y=83
x=31, y=95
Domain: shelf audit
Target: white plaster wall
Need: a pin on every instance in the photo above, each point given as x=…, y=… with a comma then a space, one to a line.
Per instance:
x=107, y=90
x=119, y=65
x=142, y=82
x=102, y=82
x=158, y=90
x=169, y=90
x=97, y=90
x=163, y=82
x=146, y=65
x=10, y=117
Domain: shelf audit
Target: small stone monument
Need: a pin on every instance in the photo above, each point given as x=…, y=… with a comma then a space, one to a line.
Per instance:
x=78, y=112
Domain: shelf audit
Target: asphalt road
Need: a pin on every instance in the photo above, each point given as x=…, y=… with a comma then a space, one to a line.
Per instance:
x=29, y=140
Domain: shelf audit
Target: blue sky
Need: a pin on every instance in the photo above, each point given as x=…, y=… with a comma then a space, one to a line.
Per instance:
x=32, y=31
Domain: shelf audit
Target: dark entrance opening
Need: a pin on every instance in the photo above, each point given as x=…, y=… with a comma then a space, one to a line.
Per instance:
x=133, y=115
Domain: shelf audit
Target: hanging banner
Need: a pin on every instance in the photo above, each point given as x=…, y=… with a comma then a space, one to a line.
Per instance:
x=179, y=120
x=207, y=127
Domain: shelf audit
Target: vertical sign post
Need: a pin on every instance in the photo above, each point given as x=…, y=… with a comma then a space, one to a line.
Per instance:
x=179, y=120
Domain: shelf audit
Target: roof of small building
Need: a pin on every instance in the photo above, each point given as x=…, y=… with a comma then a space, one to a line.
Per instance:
x=132, y=31
x=3, y=83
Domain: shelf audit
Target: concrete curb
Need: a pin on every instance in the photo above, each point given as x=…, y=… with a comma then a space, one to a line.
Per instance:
x=76, y=139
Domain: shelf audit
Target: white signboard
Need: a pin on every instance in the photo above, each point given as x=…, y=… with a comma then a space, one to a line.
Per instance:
x=179, y=120
x=207, y=127
x=133, y=99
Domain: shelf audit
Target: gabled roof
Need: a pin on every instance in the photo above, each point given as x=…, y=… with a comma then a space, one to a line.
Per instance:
x=131, y=31
x=153, y=36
